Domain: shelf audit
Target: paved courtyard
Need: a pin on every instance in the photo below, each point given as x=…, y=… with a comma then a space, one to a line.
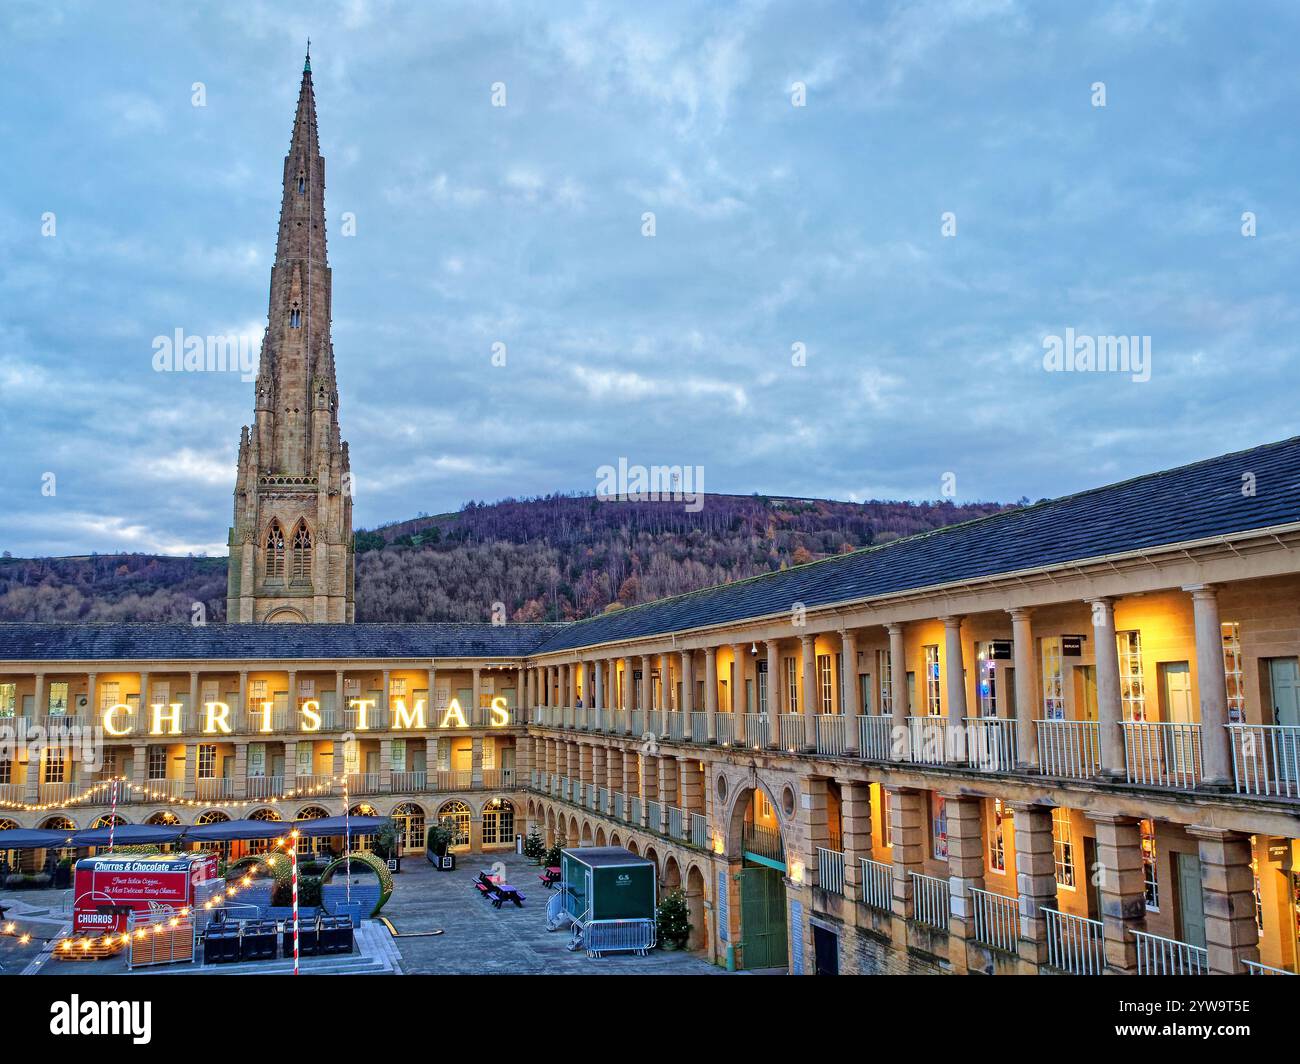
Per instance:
x=508, y=941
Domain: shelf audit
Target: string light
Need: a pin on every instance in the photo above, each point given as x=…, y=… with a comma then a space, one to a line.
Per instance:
x=148, y=794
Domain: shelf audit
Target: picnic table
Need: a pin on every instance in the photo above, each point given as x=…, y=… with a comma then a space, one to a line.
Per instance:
x=550, y=877
x=497, y=892
x=509, y=893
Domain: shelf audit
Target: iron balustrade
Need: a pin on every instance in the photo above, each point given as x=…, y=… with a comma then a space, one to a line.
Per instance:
x=365, y=783
x=997, y=920
x=454, y=779
x=494, y=778
x=620, y=805
x=1069, y=748
x=724, y=729
x=1266, y=759
x=931, y=901
x=58, y=793
x=1255, y=968
x=654, y=815
x=676, y=726
x=676, y=822
x=1074, y=943
x=831, y=735
x=928, y=740
x=1157, y=955
x=877, y=884
x=1162, y=753
x=407, y=781
x=699, y=726
x=762, y=842
x=790, y=731
x=12, y=792
x=258, y=786
x=214, y=789
x=638, y=722
x=654, y=723
x=758, y=731
x=875, y=737
x=260, y=722
x=991, y=744
x=830, y=870
x=699, y=831
x=634, y=811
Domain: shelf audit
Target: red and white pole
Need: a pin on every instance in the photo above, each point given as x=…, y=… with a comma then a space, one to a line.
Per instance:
x=112, y=816
x=293, y=857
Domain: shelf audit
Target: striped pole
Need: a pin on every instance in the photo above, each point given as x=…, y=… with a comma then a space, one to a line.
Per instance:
x=293, y=856
x=112, y=816
x=347, y=836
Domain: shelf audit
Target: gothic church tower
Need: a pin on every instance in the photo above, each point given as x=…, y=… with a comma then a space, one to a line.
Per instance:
x=291, y=542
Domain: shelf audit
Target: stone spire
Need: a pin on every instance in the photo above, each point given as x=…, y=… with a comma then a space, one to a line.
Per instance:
x=293, y=469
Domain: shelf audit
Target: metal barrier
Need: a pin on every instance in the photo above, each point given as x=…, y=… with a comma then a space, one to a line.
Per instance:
x=831, y=738
x=1265, y=758
x=1164, y=753
x=618, y=936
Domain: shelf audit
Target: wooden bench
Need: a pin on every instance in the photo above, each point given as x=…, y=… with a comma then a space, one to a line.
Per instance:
x=490, y=893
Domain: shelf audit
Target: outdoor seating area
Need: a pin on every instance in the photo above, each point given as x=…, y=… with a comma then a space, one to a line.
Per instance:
x=494, y=890
x=256, y=939
x=550, y=877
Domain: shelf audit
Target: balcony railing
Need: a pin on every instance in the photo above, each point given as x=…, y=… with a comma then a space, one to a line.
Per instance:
x=830, y=870
x=758, y=731
x=261, y=722
x=1069, y=748
x=699, y=831
x=498, y=778
x=654, y=722
x=1074, y=943
x=1266, y=758
x=931, y=901
x=724, y=728
x=455, y=779
x=929, y=740
x=58, y=793
x=218, y=789
x=699, y=726
x=634, y=811
x=875, y=737
x=654, y=815
x=638, y=722
x=365, y=783
x=992, y=744
x=997, y=920
x=675, y=726
x=617, y=804
x=762, y=842
x=1255, y=968
x=11, y=792
x=164, y=790
x=410, y=781
x=1162, y=753
x=877, y=884
x=1168, y=956
x=258, y=786
x=790, y=731
x=831, y=734
x=676, y=822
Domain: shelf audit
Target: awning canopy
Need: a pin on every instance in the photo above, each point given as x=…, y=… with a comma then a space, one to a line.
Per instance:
x=334, y=825
x=32, y=839
x=230, y=830
x=129, y=835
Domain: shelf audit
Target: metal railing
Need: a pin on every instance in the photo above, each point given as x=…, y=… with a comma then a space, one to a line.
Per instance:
x=675, y=726
x=654, y=722
x=217, y=789
x=258, y=786
x=457, y=779
x=410, y=780
x=638, y=722
x=758, y=731
x=997, y=920
x=1069, y=748
x=830, y=870
x=12, y=792
x=1167, y=956
x=832, y=731
x=261, y=722
x=877, y=884
x=634, y=811
x=314, y=784
x=494, y=778
x=365, y=783
x=699, y=831
x=929, y=740
x=654, y=815
x=1162, y=753
x=763, y=842
x=790, y=731
x=676, y=822
x=1074, y=943
x=875, y=737
x=724, y=728
x=699, y=726
x=1255, y=968
x=617, y=803
x=931, y=902
x=1266, y=758
x=991, y=744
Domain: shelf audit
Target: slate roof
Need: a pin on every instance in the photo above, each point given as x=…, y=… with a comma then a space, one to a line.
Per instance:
x=1192, y=502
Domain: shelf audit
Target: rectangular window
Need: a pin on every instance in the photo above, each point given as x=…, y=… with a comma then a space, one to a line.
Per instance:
x=884, y=669
x=1053, y=679
x=824, y=686
x=997, y=839
x=1232, y=672
x=886, y=827
x=396, y=690
x=110, y=694
x=157, y=763
x=864, y=686
x=304, y=759
x=8, y=699
x=1132, y=691
x=58, y=698
x=792, y=684
x=256, y=692
x=762, y=686
x=207, y=761
x=933, y=698
x=54, y=767
x=1063, y=847
x=397, y=755
x=257, y=760
x=6, y=772
x=1150, y=884
x=939, y=825
x=987, y=684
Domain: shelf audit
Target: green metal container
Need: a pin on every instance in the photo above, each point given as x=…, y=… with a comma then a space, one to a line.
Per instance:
x=608, y=883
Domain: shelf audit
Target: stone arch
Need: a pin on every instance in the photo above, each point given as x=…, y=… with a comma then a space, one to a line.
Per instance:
x=672, y=875
x=696, y=887
x=211, y=816
x=311, y=812
x=574, y=833
x=8, y=825
x=265, y=813
x=741, y=803
x=587, y=836
x=58, y=823
x=652, y=855
x=614, y=839
x=285, y=615
x=632, y=847
x=114, y=819
x=460, y=816
x=164, y=817
x=410, y=820
x=499, y=821
x=600, y=835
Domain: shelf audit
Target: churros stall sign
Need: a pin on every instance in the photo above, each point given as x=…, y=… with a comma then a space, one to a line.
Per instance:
x=106, y=888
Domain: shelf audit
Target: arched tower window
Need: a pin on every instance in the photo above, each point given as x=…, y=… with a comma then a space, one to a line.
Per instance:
x=302, y=183
x=275, y=551
x=295, y=317
x=301, y=551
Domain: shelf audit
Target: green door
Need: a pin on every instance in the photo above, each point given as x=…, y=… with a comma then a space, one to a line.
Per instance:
x=762, y=918
x=1191, y=904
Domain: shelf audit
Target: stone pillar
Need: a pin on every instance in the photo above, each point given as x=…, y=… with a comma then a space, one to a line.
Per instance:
x=190, y=783
x=775, y=694
x=598, y=695
x=385, y=765
x=692, y=785
x=812, y=814
x=900, y=708
x=631, y=782
x=627, y=695
x=669, y=787
x=855, y=816
x=241, y=769
x=476, y=697
x=190, y=725
x=431, y=682
x=646, y=689
x=965, y=871
x=954, y=671
x=850, y=690
x=1231, y=935
x=907, y=832
x=1035, y=879
x=1022, y=638
x=292, y=711
x=667, y=690
x=808, y=702
x=140, y=769
x=688, y=692
x=1109, y=706
x=1123, y=894
x=711, y=692
x=1216, y=764
x=739, y=706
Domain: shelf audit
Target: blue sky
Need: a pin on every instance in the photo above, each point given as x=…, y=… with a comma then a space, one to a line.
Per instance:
x=775, y=225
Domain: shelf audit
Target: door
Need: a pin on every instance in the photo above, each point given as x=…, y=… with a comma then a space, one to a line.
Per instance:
x=468, y=705
x=1179, y=747
x=826, y=951
x=1094, y=877
x=762, y=916
x=1284, y=680
x=1191, y=903
x=1088, y=690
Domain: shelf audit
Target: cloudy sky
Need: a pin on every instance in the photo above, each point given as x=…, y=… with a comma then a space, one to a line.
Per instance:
x=775, y=225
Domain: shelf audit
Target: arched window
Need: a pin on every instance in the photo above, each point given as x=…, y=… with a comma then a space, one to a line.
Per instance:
x=275, y=552
x=295, y=317
x=215, y=816
x=456, y=816
x=301, y=551
x=106, y=821
x=409, y=819
x=302, y=184
x=498, y=822
x=309, y=844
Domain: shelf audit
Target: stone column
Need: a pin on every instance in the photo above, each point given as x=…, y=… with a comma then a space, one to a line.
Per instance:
x=688, y=692
x=907, y=832
x=711, y=692
x=140, y=768
x=631, y=781
x=189, y=786
x=1216, y=764
x=1022, y=637
x=241, y=769
x=627, y=695
x=808, y=691
x=669, y=784
x=739, y=674
x=646, y=691
x=476, y=697
x=292, y=710
x=954, y=671
x=1035, y=880
x=855, y=816
x=775, y=694
x=812, y=815
x=598, y=695
x=1110, y=708
x=1123, y=893
x=965, y=871
x=42, y=707
x=850, y=690
x=900, y=709
x=382, y=710
x=1231, y=935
